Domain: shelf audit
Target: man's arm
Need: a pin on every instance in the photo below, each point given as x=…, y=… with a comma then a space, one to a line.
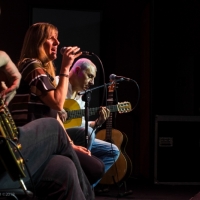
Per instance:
x=104, y=113
x=10, y=75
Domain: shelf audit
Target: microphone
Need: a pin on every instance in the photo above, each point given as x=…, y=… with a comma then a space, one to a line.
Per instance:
x=114, y=77
x=85, y=53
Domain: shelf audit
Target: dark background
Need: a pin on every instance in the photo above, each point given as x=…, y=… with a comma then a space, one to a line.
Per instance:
x=80, y=28
x=155, y=43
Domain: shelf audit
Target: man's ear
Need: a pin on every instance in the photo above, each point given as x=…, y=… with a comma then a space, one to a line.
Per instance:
x=77, y=70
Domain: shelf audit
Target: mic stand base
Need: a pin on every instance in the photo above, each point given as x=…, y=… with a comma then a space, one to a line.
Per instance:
x=105, y=191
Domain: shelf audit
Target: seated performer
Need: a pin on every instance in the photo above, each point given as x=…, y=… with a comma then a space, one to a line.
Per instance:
x=81, y=77
x=53, y=164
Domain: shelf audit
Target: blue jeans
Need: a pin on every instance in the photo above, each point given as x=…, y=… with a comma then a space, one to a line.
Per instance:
x=53, y=164
x=107, y=152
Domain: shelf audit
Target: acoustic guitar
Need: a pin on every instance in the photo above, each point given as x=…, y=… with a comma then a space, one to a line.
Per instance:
x=75, y=114
x=122, y=168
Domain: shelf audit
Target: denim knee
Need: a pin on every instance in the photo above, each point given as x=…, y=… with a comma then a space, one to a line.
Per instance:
x=58, y=178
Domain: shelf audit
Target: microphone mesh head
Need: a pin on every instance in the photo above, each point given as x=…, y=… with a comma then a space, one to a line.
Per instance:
x=62, y=50
x=112, y=77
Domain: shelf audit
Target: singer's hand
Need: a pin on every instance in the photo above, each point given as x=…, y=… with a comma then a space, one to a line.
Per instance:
x=69, y=55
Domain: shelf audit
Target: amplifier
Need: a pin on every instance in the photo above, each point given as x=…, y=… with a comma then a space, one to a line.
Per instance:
x=177, y=150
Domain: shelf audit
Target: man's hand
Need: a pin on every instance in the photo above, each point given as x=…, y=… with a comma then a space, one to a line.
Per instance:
x=82, y=149
x=104, y=113
x=63, y=115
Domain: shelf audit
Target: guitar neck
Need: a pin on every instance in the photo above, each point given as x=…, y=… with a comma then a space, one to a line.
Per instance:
x=109, y=120
x=72, y=114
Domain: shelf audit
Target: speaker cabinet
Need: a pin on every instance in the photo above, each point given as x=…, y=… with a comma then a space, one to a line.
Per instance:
x=177, y=150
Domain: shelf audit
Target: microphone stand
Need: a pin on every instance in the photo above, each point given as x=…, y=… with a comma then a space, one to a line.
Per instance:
x=88, y=99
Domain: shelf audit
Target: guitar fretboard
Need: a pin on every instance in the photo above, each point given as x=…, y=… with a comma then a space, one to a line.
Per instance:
x=92, y=111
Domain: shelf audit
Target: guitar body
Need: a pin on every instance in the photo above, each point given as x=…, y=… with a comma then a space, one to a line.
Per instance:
x=71, y=104
x=75, y=114
x=122, y=168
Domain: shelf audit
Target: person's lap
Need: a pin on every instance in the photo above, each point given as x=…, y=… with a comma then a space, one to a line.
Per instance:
x=107, y=152
x=59, y=180
x=78, y=135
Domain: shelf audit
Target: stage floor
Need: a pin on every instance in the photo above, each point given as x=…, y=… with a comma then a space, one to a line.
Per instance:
x=147, y=191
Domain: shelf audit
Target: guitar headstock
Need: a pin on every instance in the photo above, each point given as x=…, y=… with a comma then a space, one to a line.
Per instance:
x=124, y=107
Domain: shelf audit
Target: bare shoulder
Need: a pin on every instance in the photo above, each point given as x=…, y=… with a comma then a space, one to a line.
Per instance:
x=4, y=58
x=3, y=54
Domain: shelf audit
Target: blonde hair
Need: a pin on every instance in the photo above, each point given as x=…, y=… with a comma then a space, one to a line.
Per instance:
x=32, y=47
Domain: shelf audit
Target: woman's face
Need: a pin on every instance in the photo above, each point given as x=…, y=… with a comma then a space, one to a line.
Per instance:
x=51, y=45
